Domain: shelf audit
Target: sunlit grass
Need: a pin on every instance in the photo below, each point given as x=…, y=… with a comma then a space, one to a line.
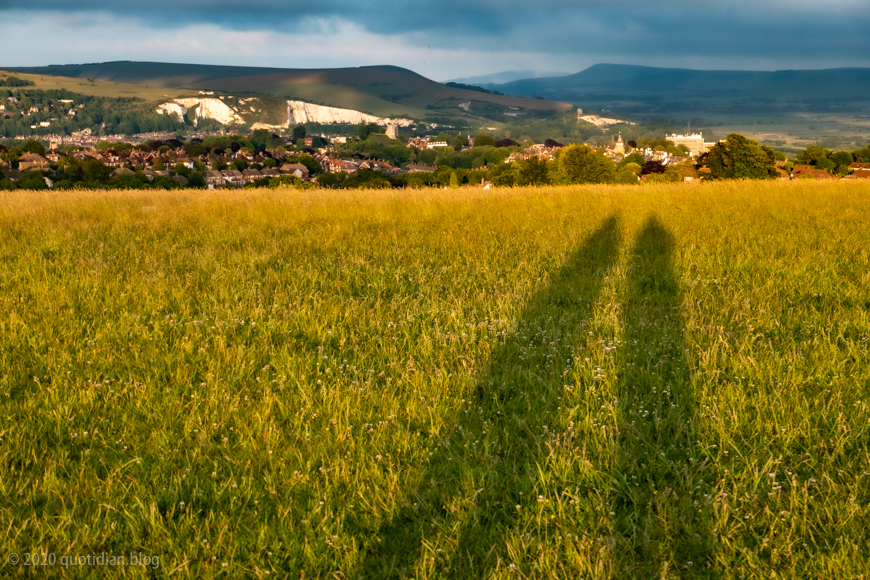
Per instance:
x=603, y=382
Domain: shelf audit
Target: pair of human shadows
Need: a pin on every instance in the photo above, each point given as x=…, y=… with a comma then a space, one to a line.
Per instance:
x=488, y=464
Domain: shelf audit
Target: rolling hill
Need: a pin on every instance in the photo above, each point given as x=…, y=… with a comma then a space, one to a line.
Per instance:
x=376, y=90
x=506, y=77
x=642, y=89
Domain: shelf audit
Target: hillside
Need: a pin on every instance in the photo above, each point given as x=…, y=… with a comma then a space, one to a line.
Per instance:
x=376, y=90
x=506, y=77
x=98, y=88
x=640, y=89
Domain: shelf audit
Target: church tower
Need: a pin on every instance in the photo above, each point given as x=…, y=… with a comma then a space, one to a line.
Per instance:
x=620, y=146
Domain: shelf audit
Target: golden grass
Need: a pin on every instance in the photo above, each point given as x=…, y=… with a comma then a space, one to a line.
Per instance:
x=597, y=382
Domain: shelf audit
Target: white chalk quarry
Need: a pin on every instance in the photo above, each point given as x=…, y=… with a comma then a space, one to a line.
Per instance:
x=299, y=112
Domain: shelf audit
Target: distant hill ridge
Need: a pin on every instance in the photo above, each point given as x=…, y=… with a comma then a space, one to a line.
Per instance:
x=614, y=82
x=164, y=74
x=378, y=90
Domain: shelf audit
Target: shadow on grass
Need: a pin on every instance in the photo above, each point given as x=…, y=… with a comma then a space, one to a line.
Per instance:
x=660, y=514
x=489, y=462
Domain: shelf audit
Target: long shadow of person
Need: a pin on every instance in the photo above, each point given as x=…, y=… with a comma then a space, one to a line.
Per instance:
x=661, y=512
x=488, y=463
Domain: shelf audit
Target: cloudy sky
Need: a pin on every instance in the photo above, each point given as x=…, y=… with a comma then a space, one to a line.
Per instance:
x=441, y=39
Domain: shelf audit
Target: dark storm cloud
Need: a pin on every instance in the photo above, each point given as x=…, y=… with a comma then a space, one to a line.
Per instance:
x=630, y=31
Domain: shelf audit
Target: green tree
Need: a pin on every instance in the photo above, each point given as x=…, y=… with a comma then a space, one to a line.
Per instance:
x=308, y=161
x=33, y=146
x=32, y=180
x=626, y=176
x=632, y=168
x=197, y=181
x=454, y=180
x=738, y=157
x=582, y=164
x=483, y=140
x=812, y=155
x=261, y=139
x=635, y=158
x=842, y=160
x=367, y=129
x=533, y=171
x=459, y=142
x=504, y=175
x=827, y=164
x=330, y=180
x=12, y=156
x=16, y=82
x=299, y=132
x=181, y=169
x=95, y=172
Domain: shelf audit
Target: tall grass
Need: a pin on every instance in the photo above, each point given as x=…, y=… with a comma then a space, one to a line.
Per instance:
x=600, y=382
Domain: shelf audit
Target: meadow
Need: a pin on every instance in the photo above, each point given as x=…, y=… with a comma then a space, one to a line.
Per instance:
x=662, y=381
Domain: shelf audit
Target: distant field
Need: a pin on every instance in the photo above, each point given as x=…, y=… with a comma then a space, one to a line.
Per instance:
x=96, y=88
x=585, y=382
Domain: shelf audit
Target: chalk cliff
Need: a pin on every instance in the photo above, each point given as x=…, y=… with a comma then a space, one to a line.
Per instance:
x=205, y=109
x=299, y=113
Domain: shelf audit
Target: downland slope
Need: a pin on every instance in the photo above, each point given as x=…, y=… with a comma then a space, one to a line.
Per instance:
x=98, y=88
x=376, y=90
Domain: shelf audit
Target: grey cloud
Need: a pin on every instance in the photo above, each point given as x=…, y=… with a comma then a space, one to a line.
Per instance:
x=631, y=30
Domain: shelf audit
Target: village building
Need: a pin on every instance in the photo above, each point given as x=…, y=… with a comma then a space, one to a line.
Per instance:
x=694, y=143
x=213, y=179
x=415, y=168
x=32, y=161
x=809, y=172
x=376, y=165
x=296, y=169
x=860, y=171
x=233, y=178
x=251, y=175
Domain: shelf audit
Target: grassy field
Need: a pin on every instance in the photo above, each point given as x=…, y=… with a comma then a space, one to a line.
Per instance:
x=599, y=382
x=95, y=88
